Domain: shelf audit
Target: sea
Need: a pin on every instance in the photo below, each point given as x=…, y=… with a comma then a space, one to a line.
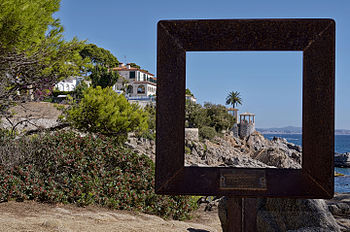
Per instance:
x=342, y=145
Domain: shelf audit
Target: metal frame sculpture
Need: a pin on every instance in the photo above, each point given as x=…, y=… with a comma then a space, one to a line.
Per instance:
x=316, y=38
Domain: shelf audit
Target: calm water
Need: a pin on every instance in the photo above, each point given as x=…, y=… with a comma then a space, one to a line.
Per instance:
x=342, y=142
x=342, y=145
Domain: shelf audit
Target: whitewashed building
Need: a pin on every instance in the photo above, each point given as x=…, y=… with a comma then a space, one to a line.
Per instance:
x=69, y=84
x=137, y=84
x=191, y=98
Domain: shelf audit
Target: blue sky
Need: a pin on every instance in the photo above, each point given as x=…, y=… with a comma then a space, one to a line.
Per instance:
x=269, y=82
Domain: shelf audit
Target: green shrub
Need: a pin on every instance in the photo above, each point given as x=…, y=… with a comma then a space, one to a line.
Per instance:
x=64, y=167
x=187, y=150
x=104, y=111
x=207, y=132
x=55, y=93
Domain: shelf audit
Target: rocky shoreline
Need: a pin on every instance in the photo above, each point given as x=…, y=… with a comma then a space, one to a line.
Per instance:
x=257, y=151
x=342, y=160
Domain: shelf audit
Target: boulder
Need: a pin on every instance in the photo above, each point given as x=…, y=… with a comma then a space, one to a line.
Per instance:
x=257, y=141
x=342, y=160
x=274, y=214
x=277, y=157
x=191, y=134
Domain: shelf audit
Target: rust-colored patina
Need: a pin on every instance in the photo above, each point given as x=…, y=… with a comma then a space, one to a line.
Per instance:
x=315, y=37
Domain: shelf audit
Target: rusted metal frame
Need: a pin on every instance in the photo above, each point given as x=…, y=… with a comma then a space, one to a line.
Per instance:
x=235, y=217
x=205, y=181
x=241, y=214
x=318, y=109
x=315, y=37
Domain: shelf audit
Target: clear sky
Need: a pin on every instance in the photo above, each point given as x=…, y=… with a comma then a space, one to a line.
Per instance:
x=269, y=82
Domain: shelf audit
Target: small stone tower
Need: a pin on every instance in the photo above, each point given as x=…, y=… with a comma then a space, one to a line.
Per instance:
x=246, y=124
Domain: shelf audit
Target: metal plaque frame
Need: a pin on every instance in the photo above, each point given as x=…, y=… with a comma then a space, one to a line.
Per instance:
x=315, y=37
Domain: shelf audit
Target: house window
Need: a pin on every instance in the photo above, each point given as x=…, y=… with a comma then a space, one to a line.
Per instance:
x=129, y=89
x=141, y=89
x=132, y=74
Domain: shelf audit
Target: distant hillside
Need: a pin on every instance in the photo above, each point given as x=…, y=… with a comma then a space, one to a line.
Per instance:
x=294, y=130
x=280, y=130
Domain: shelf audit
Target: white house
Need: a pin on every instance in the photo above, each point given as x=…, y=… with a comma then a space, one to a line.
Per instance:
x=191, y=98
x=136, y=83
x=68, y=84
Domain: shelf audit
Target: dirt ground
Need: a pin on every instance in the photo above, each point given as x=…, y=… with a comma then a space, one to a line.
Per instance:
x=33, y=217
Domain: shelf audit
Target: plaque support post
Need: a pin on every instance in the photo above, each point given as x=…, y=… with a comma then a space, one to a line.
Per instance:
x=241, y=214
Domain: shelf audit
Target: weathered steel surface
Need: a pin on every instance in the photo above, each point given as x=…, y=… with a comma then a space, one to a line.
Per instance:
x=315, y=37
x=241, y=215
x=235, y=209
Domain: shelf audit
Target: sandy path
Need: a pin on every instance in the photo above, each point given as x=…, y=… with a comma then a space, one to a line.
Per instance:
x=33, y=217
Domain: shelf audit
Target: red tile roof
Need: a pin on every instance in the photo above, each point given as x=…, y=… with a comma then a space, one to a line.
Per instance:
x=130, y=69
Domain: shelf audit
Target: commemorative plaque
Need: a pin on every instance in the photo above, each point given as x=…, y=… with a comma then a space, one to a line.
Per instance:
x=315, y=38
x=241, y=179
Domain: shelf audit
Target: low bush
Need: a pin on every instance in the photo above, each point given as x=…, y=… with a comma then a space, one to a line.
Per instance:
x=107, y=112
x=64, y=167
x=187, y=150
x=207, y=132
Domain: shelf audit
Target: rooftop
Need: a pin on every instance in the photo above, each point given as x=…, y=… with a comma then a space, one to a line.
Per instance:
x=128, y=68
x=247, y=114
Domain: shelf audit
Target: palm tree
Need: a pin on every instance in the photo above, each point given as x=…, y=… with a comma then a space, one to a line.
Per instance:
x=233, y=98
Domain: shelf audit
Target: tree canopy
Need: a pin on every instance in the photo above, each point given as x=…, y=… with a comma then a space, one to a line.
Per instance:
x=218, y=116
x=233, y=98
x=104, y=111
x=188, y=92
x=134, y=65
x=24, y=23
x=33, y=53
x=99, y=56
x=101, y=59
x=101, y=76
x=211, y=115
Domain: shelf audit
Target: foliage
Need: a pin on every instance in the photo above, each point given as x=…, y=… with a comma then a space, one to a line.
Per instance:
x=210, y=115
x=187, y=150
x=188, y=92
x=79, y=90
x=101, y=76
x=33, y=53
x=218, y=116
x=99, y=56
x=20, y=23
x=104, y=111
x=134, y=65
x=207, y=132
x=67, y=168
x=195, y=115
x=233, y=98
x=151, y=132
x=55, y=93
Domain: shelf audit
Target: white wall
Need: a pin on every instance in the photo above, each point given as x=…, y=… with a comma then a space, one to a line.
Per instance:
x=67, y=85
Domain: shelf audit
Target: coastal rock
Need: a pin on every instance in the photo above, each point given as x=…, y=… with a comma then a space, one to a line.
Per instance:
x=191, y=134
x=342, y=160
x=294, y=214
x=277, y=152
x=276, y=157
x=222, y=151
x=257, y=141
x=288, y=215
x=339, y=206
